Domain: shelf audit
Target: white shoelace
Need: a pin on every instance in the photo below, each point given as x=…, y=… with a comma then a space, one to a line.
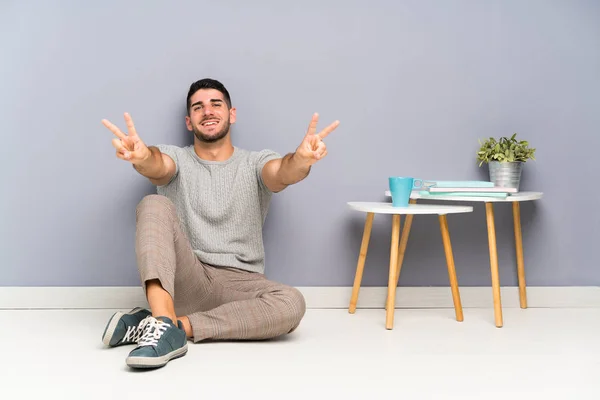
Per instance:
x=134, y=333
x=153, y=330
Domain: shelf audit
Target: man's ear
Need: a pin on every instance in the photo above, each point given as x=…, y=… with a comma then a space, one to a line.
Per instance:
x=232, y=115
x=188, y=123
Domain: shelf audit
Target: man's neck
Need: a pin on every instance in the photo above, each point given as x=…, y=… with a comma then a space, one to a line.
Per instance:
x=218, y=151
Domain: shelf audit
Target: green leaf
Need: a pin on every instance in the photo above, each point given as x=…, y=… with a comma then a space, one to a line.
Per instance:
x=503, y=149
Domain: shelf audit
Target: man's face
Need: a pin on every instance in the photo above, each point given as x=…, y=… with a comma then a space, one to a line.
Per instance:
x=209, y=117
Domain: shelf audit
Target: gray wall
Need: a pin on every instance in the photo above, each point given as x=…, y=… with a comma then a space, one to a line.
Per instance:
x=414, y=84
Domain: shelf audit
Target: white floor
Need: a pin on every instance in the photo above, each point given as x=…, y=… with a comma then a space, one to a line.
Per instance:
x=538, y=354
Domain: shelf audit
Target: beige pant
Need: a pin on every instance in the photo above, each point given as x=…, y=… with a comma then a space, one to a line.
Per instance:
x=220, y=302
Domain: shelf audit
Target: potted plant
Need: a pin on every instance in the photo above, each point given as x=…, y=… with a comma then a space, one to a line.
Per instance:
x=505, y=159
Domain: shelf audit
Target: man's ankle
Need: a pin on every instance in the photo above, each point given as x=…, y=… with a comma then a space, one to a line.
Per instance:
x=185, y=321
x=163, y=316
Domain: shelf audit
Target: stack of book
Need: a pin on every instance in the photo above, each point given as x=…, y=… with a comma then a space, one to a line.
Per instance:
x=465, y=188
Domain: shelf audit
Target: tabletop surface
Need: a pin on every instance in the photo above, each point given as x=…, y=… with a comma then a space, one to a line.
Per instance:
x=388, y=208
x=520, y=196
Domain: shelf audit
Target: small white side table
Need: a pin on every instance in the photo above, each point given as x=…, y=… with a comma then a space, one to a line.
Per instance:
x=398, y=248
x=515, y=199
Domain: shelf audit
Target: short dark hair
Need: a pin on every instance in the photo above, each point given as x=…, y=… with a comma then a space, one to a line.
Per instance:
x=207, y=83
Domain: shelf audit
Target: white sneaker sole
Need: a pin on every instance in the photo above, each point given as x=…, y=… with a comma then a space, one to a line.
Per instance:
x=155, y=362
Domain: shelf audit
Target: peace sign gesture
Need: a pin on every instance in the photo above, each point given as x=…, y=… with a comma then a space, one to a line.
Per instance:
x=129, y=147
x=312, y=148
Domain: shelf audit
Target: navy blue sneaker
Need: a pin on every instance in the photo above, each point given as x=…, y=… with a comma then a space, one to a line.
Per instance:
x=161, y=342
x=125, y=328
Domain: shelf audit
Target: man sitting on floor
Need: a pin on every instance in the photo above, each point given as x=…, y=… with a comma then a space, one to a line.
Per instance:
x=199, y=244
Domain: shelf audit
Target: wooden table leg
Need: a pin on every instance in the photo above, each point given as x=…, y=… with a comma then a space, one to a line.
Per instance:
x=451, y=268
x=361, y=262
x=403, y=242
x=519, y=250
x=391, y=296
x=489, y=212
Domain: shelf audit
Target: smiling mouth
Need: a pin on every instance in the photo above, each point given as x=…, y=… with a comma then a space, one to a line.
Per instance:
x=210, y=123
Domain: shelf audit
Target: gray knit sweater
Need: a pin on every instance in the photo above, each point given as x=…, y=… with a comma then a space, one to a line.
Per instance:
x=222, y=205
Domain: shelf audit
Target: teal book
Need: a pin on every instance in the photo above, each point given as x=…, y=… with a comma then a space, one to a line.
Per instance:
x=460, y=184
x=496, y=189
x=426, y=193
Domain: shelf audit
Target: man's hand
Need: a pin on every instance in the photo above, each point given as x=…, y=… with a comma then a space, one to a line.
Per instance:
x=312, y=148
x=129, y=147
x=149, y=162
x=282, y=172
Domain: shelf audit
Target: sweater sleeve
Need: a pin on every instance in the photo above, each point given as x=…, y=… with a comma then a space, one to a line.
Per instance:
x=263, y=157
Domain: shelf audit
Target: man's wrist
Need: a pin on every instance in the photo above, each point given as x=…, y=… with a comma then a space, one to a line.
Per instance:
x=300, y=163
x=293, y=169
x=148, y=155
x=145, y=158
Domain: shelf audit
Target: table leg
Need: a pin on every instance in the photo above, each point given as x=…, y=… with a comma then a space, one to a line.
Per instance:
x=403, y=242
x=519, y=250
x=361, y=262
x=451, y=268
x=391, y=296
x=489, y=212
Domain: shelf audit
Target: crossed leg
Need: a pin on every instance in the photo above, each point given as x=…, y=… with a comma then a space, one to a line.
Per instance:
x=211, y=302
